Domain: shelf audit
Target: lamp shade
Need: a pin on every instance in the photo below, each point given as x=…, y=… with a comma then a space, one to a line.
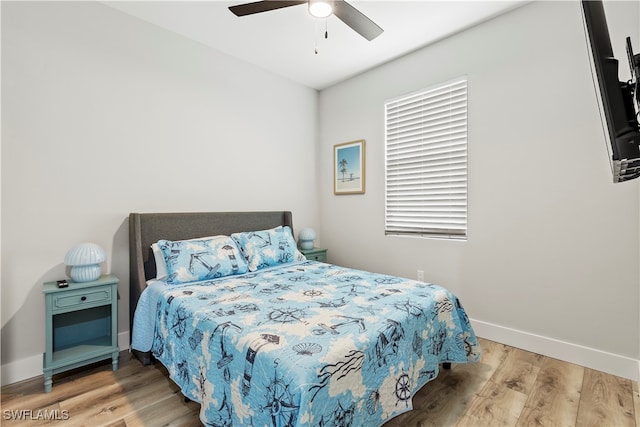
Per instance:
x=306, y=236
x=84, y=260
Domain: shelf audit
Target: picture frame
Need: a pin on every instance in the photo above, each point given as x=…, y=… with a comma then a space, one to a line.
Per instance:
x=349, y=167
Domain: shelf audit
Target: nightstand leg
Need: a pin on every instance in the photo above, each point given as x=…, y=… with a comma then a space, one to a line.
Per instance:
x=48, y=382
x=114, y=360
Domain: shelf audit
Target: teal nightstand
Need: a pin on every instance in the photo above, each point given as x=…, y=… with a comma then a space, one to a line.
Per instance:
x=81, y=325
x=315, y=254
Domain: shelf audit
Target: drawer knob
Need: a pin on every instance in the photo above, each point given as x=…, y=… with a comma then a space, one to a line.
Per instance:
x=83, y=298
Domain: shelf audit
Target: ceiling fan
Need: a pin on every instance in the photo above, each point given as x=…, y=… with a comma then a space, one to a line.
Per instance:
x=320, y=9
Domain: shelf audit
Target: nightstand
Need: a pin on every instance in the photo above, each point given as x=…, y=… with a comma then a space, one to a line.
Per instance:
x=315, y=254
x=81, y=325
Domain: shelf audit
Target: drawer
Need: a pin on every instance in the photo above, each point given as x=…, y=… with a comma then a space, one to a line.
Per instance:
x=317, y=257
x=77, y=299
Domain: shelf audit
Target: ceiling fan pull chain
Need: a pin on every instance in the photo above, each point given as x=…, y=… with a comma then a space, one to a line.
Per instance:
x=326, y=33
x=315, y=38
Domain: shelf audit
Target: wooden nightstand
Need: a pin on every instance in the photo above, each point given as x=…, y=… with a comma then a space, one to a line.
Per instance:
x=315, y=254
x=81, y=325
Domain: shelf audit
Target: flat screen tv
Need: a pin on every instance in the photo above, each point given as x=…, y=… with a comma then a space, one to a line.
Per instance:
x=616, y=98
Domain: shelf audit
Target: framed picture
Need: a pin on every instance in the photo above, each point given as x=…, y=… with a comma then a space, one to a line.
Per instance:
x=348, y=168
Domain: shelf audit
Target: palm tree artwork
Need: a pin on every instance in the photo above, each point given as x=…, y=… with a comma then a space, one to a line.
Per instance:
x=343, y=167
x=349, y=168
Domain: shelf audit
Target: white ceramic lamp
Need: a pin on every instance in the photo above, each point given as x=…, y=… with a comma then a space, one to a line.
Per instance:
x=306, y=236
x=84, y=261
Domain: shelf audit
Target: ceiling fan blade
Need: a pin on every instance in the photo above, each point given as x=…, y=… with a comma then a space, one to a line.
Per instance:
x=356, y=20
x=262, y=6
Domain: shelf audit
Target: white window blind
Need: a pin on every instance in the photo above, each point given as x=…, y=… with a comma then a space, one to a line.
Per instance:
x=426, y=162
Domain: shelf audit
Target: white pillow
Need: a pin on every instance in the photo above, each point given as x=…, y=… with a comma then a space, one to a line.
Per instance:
x=161, y=265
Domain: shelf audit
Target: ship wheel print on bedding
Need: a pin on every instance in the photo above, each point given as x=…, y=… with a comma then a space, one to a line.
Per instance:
x=279, y=401
x=250, y=358
x=287, y=315
x=403, y=389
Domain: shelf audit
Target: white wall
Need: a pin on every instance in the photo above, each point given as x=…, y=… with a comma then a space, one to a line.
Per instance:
x=551, y=260
x=103, y=115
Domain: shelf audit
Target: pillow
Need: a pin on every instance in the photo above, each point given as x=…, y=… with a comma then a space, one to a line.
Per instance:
x=201, y=259
x=161, y=266
x=267, y=248
x=158, y=256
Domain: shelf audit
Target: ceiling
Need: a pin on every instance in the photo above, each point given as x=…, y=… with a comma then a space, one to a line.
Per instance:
x=285, y=41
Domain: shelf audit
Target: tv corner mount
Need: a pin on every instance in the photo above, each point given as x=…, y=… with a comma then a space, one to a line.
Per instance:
x=619, y=102
x=634, y=65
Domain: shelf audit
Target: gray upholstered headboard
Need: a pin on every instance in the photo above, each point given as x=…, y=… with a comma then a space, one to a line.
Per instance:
x=147, y=228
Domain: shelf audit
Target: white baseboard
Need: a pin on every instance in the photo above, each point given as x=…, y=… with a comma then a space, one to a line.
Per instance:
x=31, y=367
x=22, y=369
x=610, y=363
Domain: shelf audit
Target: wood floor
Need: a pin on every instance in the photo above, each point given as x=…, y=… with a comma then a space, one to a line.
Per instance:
x=508, y=387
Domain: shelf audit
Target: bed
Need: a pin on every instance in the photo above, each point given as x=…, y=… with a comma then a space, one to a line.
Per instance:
x=260, y=336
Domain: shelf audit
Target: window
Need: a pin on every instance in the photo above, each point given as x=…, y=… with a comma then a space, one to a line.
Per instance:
x=426, y=162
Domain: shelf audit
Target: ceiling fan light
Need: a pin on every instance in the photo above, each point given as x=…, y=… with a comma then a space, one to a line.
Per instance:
x=320, y=8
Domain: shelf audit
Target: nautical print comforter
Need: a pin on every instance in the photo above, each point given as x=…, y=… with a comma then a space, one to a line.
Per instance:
x=307, y=344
